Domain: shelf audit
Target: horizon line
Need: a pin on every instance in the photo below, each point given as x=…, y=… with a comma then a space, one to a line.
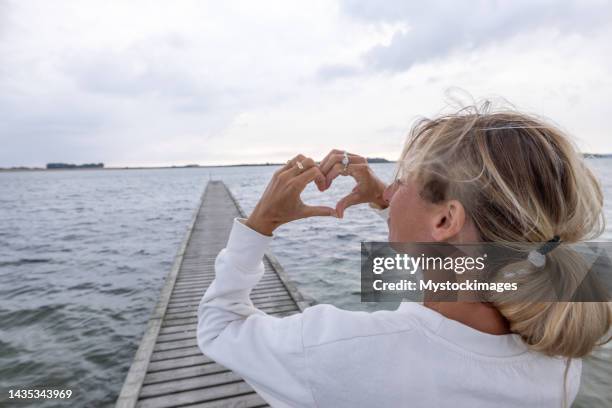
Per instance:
x=374, y=160
x=84, y=166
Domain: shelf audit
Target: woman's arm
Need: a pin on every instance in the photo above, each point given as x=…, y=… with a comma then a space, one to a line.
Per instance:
x=266, y=351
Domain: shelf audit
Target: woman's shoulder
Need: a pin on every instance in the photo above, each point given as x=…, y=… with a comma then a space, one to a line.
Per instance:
x=324, y=324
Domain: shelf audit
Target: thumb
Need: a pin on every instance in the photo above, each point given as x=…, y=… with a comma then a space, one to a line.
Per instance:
x=317, y=210
x=347, y=201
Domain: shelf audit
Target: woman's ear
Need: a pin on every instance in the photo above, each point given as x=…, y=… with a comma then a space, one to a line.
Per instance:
x=449, y=221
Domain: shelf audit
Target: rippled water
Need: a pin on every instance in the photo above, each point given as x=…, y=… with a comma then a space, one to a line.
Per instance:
x=83, y=255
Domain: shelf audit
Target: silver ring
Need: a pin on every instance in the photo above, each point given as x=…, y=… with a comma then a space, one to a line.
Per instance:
x=345, y=159
x=300, y=165
x=345, y=162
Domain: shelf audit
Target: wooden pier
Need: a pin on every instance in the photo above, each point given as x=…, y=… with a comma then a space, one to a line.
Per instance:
x=169, y=370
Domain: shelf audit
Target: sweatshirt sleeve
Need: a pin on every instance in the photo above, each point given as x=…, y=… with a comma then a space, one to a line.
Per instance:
x=265, y=350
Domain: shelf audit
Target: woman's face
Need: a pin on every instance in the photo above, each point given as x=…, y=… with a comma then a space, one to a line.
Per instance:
x=413, y=219
x=410, y=216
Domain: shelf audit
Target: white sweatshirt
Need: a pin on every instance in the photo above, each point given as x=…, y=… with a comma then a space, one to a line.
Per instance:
x=328, y=357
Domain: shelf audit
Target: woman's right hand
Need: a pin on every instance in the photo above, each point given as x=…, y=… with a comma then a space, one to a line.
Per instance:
x=369, y=188
x=281, y=202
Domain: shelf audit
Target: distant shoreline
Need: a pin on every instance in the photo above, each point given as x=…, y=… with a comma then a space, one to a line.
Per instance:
x=187, y=166
x=210, y=166
x=134, y=168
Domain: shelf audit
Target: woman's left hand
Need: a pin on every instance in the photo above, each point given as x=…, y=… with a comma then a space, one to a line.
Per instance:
x=369, y=188
x=281, y=202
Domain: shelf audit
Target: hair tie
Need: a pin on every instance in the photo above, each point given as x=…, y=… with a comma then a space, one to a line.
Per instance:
x=537, y=257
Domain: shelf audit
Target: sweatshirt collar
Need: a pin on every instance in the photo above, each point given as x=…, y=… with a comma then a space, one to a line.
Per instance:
x=467, y=338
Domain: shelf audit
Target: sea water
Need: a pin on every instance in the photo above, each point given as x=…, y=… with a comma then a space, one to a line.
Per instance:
x=84, y=254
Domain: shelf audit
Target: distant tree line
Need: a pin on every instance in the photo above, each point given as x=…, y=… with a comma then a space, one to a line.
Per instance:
x=74, y=166
x=377, y=160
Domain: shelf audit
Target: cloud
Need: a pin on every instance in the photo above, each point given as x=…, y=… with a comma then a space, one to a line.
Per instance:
x=142, y=68
x=439, y=28
x=334, y=71
x=33, y=132
x=216, y=82
x=4, y=16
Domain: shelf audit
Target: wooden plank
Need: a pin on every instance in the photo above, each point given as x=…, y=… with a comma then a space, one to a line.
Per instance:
x=201, y=395
x=197, y=280
x=170, y=370
x=192, y=316
x=188, y=334
x=175, y=345
x=189, y=311
x=206, y=280
x=175, y=353
x=200, y=290
x=175, y=321
x=251, y=400
x=254, y=296
x=188, y=384
x=186, y=372
x=178, y=362
x=191, y=324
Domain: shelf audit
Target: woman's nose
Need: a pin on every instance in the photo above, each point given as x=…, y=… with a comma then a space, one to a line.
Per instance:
x=388, y=193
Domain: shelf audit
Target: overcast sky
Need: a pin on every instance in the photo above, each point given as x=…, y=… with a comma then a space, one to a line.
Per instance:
x=158, y=83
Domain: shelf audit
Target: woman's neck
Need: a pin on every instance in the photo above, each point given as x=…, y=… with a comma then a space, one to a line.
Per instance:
x=480, y=316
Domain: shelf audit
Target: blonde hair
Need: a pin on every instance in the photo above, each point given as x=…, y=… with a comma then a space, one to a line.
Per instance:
x=520, y=179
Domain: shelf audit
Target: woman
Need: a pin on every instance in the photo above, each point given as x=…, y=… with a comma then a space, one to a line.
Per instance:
x=469, y=177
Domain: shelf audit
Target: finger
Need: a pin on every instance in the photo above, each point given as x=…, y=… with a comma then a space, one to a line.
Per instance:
x=292, y=162
x=287, y=165
x=326, y=158
x=334, y=167
x=336, y=156
x=317, y=210
x=332, y=151
x=347, y=201
x=282, y=168
x=296, y=170
x=330, y=161
x=313, y=173
x=338, y=169
x=290, y=168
